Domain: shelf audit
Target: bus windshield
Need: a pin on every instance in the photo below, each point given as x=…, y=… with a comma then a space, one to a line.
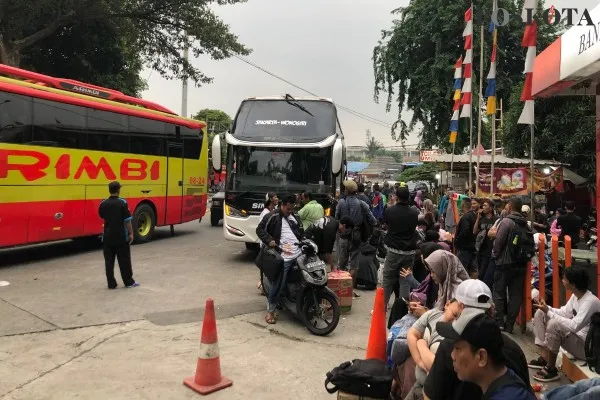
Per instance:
x=298, y=120
x=263, y=169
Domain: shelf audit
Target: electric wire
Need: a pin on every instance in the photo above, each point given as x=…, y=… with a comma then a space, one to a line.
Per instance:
x=340, y=106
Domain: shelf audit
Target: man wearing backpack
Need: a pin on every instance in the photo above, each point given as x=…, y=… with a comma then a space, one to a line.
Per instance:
x=447, y=378
x=513, y=248
x=565, y=327
x=360, y=214
x=478, y=356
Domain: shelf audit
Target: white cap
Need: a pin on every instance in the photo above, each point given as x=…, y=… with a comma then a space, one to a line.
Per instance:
x=525, y=209
x=474, y=293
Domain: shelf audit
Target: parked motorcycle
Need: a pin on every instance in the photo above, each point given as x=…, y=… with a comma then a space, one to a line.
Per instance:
x=591, y=234
x=306, y=294
x=592, y=242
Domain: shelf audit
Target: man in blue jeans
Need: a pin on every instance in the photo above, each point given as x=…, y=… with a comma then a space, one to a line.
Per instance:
x=586, y=389
x=281, y=229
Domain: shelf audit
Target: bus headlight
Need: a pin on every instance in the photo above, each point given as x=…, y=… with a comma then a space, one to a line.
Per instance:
x=234, y=212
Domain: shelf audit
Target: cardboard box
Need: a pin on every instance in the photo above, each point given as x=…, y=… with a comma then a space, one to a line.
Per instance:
x=348, y=396
x=340, y=282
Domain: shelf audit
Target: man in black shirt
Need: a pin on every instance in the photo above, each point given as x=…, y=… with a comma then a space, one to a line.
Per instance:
x=541, y=224
x=118, y=235
x=442, y=382
x=361, y=194
x=400, y=242
x=464, y=240
x=570, y=223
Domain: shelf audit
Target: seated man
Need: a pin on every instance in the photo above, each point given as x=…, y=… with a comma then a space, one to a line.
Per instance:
x=423, y=339
x=566, y=326
x=281, y=229
x=478, y=357
x=442, y=382
x=323, y=232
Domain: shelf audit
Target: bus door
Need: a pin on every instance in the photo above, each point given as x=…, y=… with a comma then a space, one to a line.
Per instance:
x=174, y=200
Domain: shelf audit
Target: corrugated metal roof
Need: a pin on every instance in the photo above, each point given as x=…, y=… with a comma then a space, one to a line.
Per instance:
x=357, y=166
x=381, y=164
x=487, y=159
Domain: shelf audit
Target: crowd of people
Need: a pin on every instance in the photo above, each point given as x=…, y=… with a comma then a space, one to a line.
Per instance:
x=457, y=292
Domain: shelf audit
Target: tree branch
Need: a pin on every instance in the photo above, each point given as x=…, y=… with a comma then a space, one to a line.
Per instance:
x=44, y=33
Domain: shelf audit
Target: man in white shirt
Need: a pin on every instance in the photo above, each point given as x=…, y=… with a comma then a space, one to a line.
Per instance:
x=566, y=326
x=281, y=229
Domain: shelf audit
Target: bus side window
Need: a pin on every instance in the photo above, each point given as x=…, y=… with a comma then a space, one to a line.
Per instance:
x=144, y=126
x=147, y=145
x=117, y=143
x=192, y=143
x=15, y=118
x=58, y=124
x=105, y=121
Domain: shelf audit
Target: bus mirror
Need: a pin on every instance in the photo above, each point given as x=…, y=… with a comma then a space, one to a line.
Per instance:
x=216, y=153
x=337, y=157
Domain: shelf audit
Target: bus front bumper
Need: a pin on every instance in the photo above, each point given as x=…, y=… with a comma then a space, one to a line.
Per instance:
x=241, y=229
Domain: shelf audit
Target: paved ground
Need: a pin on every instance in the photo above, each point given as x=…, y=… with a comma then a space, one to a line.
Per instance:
x=64, y=335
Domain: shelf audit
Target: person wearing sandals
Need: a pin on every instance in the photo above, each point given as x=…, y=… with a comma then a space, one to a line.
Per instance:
x=281, y=229
x=270, y=204
x=564, y=327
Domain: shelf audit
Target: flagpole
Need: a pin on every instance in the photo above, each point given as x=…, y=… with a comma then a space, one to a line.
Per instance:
x=452, y=164
x=532, y=217
x=480, y=101
x=471, y=118
x=493, y=153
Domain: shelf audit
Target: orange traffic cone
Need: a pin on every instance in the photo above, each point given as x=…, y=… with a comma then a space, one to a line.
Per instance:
x=378, y=333
x=208, y=377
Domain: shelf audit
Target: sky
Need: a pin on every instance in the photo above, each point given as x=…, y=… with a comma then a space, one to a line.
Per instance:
x=322, y=46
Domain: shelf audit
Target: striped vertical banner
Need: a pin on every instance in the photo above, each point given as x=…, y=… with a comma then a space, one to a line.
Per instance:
x=529, y=41
x=490, y=90
x=468, y=61
x=456, y=98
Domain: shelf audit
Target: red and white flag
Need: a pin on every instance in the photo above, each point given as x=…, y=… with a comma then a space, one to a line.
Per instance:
x=529, y=42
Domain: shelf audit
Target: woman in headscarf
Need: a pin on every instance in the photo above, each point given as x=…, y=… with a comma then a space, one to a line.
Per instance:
x=448, y=272
x=418, y=199
x=414, y=278
x=429, y=208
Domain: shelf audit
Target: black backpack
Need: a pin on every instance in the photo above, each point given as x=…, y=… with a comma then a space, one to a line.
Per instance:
x=507, y=379
x=369, y=378
x=592, y=344
x=521, y=242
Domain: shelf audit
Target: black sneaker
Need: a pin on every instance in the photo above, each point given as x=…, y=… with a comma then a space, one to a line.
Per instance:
x=547, y=374
x=538, y=363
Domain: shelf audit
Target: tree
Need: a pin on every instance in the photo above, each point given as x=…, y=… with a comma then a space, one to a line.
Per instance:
x=217, y=121
x=414, y=64
x=425, y=172
x=565, y=130
x=373, y=145
x=92, y=53
x=159, y=30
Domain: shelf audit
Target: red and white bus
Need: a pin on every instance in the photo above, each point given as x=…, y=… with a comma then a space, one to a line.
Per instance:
x=63, y=141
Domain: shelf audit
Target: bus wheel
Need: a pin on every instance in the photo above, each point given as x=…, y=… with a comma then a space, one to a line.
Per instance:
x=143, y=222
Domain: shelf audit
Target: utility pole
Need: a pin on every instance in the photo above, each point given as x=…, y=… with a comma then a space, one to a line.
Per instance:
x=184, y=87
